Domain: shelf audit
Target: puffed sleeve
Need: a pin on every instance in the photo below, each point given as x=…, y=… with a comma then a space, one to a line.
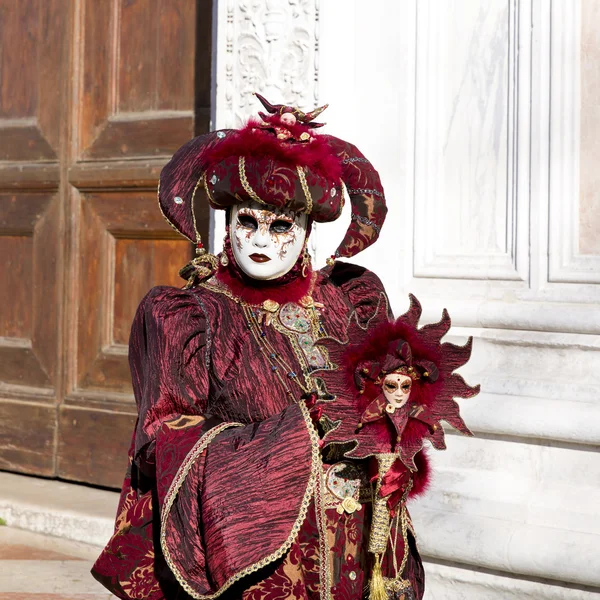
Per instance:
x=168, y=367
x=205, y=502
x=364, y=291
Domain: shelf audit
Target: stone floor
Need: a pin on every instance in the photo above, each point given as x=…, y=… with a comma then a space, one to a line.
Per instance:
x=34, y=566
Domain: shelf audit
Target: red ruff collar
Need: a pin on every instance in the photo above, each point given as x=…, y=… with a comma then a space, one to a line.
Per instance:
x=256, y=292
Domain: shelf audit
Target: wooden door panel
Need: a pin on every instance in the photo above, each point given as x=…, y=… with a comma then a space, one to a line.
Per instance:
x=32, y=44
x=27, y=436
x=94, y=99
x=141, y=134
x=138, y=262
x=22, y=139
x=126, y=247
x=157, y=49
x=29, y=298
x=29, y=293
x=138, y=88
x=93, y=444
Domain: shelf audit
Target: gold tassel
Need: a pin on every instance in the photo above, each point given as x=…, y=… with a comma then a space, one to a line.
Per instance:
x=377, y=589
x=380, y=529
x=200, y=268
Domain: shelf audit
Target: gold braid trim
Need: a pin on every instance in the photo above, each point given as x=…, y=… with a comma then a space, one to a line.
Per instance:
x=315, y=472
x=324, y=552
x=404, y=526
x=244, y=181
x=305, y=189
x=174, y=488
x=202, y=178
x=162, y=212
x=380, y=524
x=206, y=189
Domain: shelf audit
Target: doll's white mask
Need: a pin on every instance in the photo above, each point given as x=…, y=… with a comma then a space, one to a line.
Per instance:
x=396, y=389
x=266, y=243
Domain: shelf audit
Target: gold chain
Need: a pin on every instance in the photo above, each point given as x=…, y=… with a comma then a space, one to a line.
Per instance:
x=221, y=289
x=263, y=343
x=244, y=181
x=300, y=357
x=404, y=519
x=305, y=189
x=268, y=351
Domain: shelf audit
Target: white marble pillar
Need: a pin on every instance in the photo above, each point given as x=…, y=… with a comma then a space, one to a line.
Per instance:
x=483, y=120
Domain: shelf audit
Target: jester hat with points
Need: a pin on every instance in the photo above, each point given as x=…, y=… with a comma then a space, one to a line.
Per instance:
x=278, y=160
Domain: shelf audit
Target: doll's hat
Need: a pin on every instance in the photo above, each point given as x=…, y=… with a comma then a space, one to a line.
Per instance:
x=279, y=161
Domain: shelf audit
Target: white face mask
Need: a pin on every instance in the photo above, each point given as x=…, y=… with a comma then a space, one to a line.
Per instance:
x=396, y=389
x=266, y=244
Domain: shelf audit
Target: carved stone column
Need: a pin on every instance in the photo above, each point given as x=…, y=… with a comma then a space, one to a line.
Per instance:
x=265, y=46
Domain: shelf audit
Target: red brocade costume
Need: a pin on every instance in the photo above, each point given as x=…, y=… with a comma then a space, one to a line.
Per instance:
x=256, y=462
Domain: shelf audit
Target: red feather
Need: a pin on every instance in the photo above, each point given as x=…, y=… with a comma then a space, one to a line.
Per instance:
x=254, y=140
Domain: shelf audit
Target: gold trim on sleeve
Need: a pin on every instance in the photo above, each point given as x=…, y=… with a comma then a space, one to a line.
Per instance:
x=184, y=469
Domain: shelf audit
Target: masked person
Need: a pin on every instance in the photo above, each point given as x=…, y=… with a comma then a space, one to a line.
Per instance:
x=282, y=412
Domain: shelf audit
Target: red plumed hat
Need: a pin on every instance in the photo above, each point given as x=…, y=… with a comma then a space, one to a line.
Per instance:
x=278, y=161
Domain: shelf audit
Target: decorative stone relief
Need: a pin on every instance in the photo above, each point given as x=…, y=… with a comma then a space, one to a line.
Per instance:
x=272, y=48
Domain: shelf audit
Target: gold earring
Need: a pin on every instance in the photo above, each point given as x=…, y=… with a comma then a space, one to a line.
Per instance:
x=306, y=263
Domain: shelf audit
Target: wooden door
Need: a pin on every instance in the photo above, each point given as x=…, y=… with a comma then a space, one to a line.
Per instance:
x=94, y=98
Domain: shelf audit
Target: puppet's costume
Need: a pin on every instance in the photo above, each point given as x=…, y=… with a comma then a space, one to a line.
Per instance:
x=275, y=447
